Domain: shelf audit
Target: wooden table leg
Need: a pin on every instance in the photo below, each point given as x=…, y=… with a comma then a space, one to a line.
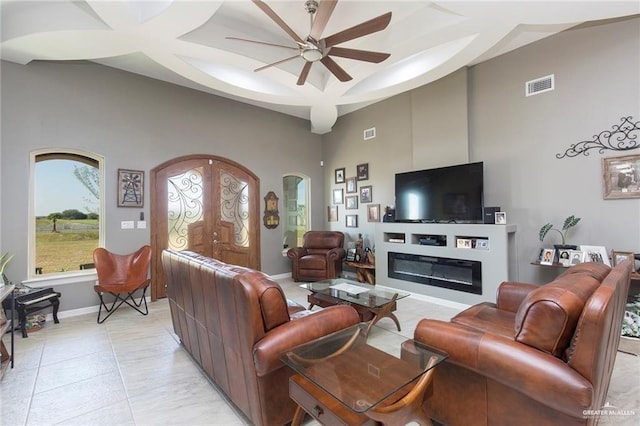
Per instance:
x=298, y=416
x=384, y=312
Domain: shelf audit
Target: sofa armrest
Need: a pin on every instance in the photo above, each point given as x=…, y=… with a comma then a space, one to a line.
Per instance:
x=296, y=252
x=267, y=351
x=337, y=253
x=539, y=375
x=511, y=294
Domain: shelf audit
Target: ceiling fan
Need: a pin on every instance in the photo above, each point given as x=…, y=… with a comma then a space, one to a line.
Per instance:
x=313, y=48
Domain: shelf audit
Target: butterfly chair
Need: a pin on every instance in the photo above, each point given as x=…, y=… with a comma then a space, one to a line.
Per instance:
x=121, y=276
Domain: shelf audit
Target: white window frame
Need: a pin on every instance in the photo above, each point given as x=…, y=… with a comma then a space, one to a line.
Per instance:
x=60, y=278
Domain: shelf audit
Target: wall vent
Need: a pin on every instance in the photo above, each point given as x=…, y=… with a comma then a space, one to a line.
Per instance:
x=370, y=133
x=539, y=85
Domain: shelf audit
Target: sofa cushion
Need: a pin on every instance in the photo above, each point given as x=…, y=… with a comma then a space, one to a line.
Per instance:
x=313, y=261
x=548, y=316
x=596, y=270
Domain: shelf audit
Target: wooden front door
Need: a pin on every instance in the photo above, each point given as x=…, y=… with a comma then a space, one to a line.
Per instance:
x=206, y=204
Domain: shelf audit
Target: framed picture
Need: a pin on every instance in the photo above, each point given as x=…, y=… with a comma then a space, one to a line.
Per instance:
x=352, y=187
x=362, y=171
x=575, y=257
x=373, y=213
x=366, y=194
x=596, y=254
x=340, y=175
x=620, y=256
x=463, y=243
x=621, y=177
x=351, y=254
x=351, y=220
x=564, y=257
x=338, y=197
x=332, y=213
x=351, y=202
x=501, y=218
x=547, y=256
x=130, y=188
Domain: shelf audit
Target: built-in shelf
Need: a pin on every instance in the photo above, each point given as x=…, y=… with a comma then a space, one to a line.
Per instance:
x=493, y=246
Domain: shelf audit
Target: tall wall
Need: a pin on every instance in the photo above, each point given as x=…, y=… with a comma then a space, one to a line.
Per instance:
x=137, y=123
x=596, y=70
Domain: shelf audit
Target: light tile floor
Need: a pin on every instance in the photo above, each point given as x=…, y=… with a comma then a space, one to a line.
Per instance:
x=131, y=370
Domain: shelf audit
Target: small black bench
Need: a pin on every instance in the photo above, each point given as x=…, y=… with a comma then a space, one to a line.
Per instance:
x=34, y=301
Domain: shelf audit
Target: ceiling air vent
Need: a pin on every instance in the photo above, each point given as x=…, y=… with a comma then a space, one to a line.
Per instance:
x=370, y=133
x=539, y=85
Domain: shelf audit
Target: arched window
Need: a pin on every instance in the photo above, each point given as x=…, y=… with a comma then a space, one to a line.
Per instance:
x=66, y=211
x=296, y=205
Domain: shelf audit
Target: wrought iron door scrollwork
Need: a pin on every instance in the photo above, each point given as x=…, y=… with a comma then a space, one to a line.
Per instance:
x=622, y=137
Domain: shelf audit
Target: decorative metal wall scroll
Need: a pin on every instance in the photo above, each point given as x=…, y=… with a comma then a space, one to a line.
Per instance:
x=623, y=137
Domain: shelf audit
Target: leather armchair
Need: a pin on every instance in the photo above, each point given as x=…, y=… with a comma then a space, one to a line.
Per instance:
x=540, y=355
x=319, y=258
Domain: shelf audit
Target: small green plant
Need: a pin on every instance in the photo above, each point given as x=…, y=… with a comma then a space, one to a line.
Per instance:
x=569, y=223
x=631, y=320
x=4, y=261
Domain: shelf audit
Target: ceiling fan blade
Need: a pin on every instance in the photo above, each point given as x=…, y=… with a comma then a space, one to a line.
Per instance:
x=276, y=63
x=335, y=69
x=304, y=73
x=261, y=42
x=371, y=26
x=325, y=9
x=359, y=55
x=275, y=18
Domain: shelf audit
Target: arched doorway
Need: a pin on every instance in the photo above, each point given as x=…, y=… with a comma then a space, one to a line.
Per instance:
x=206, y=204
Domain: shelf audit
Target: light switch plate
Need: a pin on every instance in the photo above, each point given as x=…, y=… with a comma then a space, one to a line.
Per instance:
x=126, y=224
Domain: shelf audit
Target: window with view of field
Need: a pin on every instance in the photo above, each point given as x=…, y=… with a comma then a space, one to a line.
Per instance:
x=66, y=211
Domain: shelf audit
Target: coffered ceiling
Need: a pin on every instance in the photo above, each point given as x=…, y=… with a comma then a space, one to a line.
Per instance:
x=186, y=43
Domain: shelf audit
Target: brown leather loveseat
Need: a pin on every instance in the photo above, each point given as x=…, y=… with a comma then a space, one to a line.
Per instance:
x=541, y=355
x=235, y=322
x=319, y=258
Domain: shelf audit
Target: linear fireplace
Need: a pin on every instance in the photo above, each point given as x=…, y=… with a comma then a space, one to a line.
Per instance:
x=454, y=274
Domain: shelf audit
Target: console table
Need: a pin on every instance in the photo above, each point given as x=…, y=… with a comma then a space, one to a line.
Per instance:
x=6, y=357
x=365, y=272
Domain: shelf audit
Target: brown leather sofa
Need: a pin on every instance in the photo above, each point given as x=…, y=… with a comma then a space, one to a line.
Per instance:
x=235, y=322
x=319, y=258
x=541, y=355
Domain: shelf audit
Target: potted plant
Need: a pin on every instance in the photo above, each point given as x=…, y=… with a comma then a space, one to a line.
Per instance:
x=4, y=261
x=569, y=223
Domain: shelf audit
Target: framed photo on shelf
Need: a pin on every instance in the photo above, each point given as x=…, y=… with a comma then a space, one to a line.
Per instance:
x=547, y=256
x=365, y=194
x=564, y=257
x=373, y=213
x=621, y=177
x=338, y=196
x=576, y=257
x=351, y=202
x=501, y=218
x=351, y=254
x=339, y=174
x=362, y=171
x=130, y=188
x=596, y=254
x=332, y=213
x=351, y=221
x=352, y=187
x=463, y=243
x=620, y=256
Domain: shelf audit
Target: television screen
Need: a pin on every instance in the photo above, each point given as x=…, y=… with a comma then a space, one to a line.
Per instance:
x=445, y=194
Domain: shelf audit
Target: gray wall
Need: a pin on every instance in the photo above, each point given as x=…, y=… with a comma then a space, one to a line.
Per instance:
x=138, y=123
x=596, y=71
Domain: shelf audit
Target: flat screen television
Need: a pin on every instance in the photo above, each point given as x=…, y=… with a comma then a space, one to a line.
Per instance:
x=445, y=194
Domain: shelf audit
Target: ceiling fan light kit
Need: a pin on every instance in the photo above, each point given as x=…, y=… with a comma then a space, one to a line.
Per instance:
x=314, y=48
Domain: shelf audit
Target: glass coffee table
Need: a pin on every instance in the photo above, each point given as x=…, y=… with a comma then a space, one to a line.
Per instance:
x=346, y=378
x=372, y=303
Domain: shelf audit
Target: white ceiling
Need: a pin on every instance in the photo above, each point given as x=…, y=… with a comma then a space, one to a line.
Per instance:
x=183, y=42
